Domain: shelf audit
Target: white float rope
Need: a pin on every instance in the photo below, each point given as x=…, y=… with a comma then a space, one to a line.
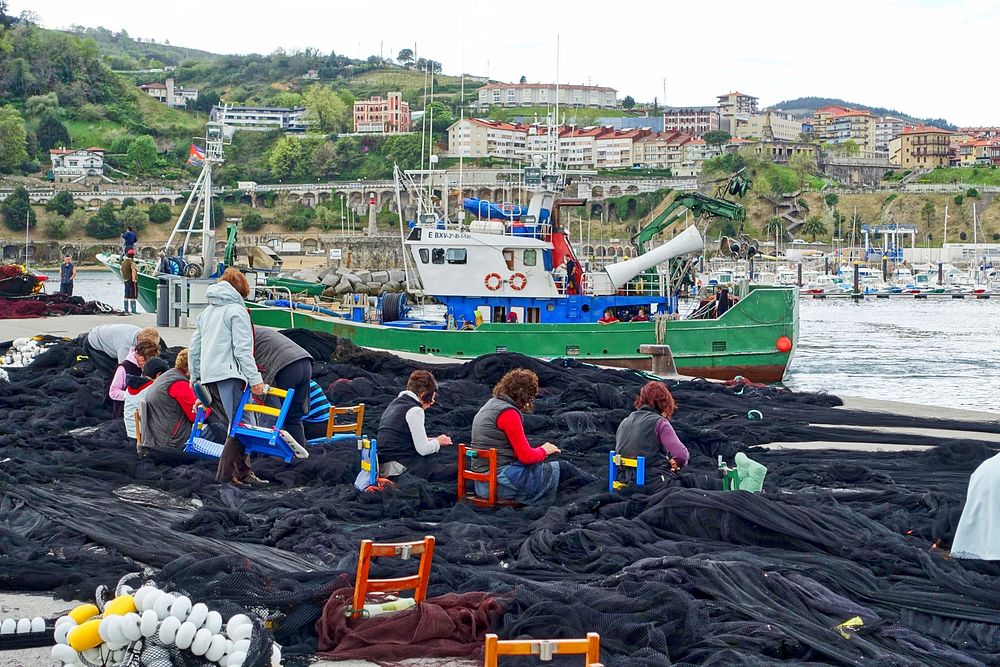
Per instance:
x=85, y=635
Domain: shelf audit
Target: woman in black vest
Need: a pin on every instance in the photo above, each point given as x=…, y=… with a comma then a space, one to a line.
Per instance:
x=647, y=432
x=523, y=474
x=403, y=445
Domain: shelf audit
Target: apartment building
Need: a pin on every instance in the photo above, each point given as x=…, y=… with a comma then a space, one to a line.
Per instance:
x=694, y=121
x=838, y=125
x=377, y=115
x=770, y=126
x=544, y=94
x=887, y=128
x=660, y=150
x=978, y=152
x=924, y=147
x=479, y=137
x=735, y=106
x=260, y=119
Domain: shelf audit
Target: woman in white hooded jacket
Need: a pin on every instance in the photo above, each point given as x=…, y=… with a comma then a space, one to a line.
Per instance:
x=221, y=358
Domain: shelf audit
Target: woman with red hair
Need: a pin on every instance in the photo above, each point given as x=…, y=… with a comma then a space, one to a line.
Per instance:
x=647, y=432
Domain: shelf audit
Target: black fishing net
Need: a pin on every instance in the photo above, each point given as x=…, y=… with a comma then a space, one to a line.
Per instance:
x=50, y=305
x=842, y=560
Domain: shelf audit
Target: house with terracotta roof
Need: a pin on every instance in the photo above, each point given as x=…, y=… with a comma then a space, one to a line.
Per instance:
x=661, y=150
x=170, y=94
x=695, y=121
x=76, y=165
x=378, y=115
x=545, y=94
x=924, y=147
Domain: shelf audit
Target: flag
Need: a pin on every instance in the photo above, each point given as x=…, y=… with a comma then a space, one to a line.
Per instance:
x=196, y=155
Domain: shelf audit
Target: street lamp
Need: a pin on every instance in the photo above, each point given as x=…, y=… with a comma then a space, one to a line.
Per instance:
x=341, y=212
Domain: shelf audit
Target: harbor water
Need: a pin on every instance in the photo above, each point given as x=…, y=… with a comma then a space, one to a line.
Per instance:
x=943, y=352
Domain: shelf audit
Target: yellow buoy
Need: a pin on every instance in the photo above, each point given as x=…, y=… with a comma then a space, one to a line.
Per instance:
x=85, y=636
x=121, y=605
x=83, y=612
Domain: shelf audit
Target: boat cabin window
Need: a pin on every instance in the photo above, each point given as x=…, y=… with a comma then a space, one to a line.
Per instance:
x=456, y=255
x=532, y=315
x=498, y=314
x=425, y=255
x=508, y=257
x=437, y=256
x=530, y=257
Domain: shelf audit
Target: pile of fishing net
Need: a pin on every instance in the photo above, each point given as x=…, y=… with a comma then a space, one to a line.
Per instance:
x=50, y=305
x=842, y=560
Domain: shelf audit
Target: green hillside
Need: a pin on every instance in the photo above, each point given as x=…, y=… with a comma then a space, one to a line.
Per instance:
x=804, y=106
x=125, y=53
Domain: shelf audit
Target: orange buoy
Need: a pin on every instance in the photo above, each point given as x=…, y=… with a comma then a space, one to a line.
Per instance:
x=784, y=344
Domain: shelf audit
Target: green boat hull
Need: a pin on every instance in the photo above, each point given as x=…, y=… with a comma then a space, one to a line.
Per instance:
x=741, y=342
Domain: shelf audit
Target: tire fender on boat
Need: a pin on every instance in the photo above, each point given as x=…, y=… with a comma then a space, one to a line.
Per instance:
x=493, y=281
x=518, y=281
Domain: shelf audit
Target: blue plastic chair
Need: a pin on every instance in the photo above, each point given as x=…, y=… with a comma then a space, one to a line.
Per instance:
x=264, y=440
x=199, y=446
x=616, y=461
x=369, y=459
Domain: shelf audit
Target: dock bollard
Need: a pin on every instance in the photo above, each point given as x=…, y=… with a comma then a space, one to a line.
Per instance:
x=663, y=359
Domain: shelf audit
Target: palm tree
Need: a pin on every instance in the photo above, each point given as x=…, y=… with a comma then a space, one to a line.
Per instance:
x=814, y=226
x=775, y=227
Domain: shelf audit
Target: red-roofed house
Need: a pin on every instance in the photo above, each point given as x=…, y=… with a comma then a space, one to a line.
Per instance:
x=924, y=147
x=75, y=165
x=479, y=137
x=169, y=94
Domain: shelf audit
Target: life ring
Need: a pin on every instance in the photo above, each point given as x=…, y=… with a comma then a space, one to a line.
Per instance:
x=518, y=281
x=493, y=281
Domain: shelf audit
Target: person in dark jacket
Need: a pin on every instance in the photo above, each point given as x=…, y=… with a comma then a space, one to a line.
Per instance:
x=168, y=410
x=647, y=432
x=523, y=473
x=67, y=274
x=285, y=365
x=403, y=445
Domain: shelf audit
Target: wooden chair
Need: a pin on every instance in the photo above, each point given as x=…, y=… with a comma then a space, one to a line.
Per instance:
x=615, y=461
x=403, y=550
x=544, y=648
x=337, y=432
x=261, y=439
x=138, y=430
x=465, y=476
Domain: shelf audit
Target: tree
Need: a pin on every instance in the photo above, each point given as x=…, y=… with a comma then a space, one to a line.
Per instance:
x=814, y=226
x=52, y=134
x=804, y=163
x=656, y=106
x=17, y=208
x=129, y=202
x=325, y=163
x=523, y=80
x=159, y=213
x=325, y=108
x=628, y=103
x=405, y=56
x=141, y=154
x=37, y=106
x=62, y=204
x=134, y=217
x=959, y=200
x=775, y=226
x=13, y=140
x=928, y=213
x=831, y=199
x=716, y=137
x=252, y=222
x=104, y=225
x=443, y=118
x=285, y=157
x=972, y=193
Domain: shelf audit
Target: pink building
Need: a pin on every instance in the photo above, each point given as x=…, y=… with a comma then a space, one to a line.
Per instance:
x=382, y=116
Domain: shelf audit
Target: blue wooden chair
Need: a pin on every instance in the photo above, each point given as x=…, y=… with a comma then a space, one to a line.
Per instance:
x=197, y=444
x=265, y=440
x=616, y=461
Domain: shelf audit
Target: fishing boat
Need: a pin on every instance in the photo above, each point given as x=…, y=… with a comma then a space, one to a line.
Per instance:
x=516, y=285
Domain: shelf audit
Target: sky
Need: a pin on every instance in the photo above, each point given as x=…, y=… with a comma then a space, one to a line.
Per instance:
x=926, y=58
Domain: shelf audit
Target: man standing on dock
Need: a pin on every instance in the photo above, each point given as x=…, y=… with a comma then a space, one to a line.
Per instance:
x=67, y=274
x=130, y=276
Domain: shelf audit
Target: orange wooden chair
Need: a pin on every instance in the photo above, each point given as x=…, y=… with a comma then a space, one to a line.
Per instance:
x=545, y=648
x=354, y=427
x=465, y=476
x=404, y=550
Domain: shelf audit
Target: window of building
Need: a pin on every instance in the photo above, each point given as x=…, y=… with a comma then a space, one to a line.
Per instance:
x=456, y=255
x=425, y=255
x=437, y=256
